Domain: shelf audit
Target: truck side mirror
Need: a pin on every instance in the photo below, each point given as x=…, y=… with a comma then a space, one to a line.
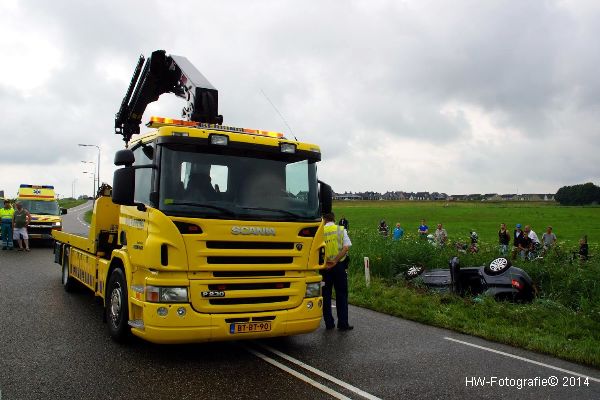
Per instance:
x=123, y=186
x=325, y=197
x=124, y=157
x=63, y=211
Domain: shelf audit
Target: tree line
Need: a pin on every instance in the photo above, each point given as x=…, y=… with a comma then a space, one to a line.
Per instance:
x=578, y=195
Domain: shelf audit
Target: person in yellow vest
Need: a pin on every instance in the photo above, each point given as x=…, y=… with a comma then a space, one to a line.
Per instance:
x=6, y=220
x=335, y=276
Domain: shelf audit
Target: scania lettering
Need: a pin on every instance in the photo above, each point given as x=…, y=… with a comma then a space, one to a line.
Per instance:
x=209, y=232
x=252, y=230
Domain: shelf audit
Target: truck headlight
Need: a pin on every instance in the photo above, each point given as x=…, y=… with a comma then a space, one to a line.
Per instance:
x=313, y=289
x=170, y=294
x=56, y=224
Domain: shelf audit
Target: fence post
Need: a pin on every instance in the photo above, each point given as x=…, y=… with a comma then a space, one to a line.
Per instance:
x=367, y=272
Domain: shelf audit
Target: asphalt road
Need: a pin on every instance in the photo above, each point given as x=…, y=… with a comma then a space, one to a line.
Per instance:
x=55, y=345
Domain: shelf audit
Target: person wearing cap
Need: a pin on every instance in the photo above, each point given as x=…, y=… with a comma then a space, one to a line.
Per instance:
x=6, y=221
x=517, y=237
x=335, y=276
x=21, y=220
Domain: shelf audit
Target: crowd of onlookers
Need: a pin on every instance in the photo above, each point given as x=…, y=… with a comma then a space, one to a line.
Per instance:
x=526, y=244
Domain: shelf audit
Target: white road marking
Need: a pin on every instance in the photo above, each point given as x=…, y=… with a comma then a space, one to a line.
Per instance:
x=298, y=375
x=82, y=210
x=320, y=373
x=523, y=359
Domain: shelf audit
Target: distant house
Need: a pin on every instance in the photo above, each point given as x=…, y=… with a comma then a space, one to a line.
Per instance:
x=549, y=197
x=439, y=196
x=509, y=197
x=492, y=197
x=475, y=197
x=457, y=197
x=422, y=196
x=347, y=196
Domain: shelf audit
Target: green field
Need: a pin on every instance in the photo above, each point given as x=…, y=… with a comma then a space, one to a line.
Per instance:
x=564, y=320
x=458, y=218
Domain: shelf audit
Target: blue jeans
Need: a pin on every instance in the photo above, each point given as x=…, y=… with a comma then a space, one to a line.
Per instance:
x=7, y=234
x=337, y=278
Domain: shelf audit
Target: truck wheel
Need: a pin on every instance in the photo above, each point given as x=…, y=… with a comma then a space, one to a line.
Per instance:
x=498, y=266
x=67, y=281
x=117, y=307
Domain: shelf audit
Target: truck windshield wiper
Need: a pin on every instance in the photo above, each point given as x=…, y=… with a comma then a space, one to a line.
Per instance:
x=219, y=208
x=276, y=210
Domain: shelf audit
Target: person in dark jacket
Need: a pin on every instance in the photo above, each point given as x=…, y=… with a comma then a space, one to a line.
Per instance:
x=517, y=237
x=344, y=222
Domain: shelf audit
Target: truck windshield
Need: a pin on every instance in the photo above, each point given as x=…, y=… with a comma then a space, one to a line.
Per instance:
x=249, y=185
x=41, y=207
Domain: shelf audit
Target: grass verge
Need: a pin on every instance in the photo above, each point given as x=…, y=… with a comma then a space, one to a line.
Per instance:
x=87, y=217
x=70, y=203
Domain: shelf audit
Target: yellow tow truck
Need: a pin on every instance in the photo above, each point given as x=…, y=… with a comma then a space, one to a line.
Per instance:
x=46, y=214
x=209, y=232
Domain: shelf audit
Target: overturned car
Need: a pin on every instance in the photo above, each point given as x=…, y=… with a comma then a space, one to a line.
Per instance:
x=500, y=279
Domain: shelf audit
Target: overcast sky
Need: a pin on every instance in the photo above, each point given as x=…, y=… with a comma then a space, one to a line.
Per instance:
x=449, y=96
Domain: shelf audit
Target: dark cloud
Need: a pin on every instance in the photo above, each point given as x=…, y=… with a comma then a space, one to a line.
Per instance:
x=476, y=90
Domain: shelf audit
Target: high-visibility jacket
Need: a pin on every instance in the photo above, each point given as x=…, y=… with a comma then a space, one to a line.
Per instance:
x=334, y=241
x=7, y=215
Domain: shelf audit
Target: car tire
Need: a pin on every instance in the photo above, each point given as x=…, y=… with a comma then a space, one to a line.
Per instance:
x=117, y=307
x=414, y=270
x=67, y=280
x=498, y=266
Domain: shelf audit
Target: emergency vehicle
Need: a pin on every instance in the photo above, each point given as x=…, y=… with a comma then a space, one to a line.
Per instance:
x=40, y=201
x=210, y=232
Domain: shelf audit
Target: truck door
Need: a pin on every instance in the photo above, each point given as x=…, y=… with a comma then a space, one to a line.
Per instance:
x=134, y=222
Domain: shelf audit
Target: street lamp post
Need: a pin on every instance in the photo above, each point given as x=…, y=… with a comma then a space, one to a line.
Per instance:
x=93, y=182
x=98, y=147
x=94, y=164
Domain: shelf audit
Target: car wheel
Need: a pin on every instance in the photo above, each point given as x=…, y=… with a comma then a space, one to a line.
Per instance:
x=117, y=306
x=414, y=271
x=498, y=266
x=67, y=280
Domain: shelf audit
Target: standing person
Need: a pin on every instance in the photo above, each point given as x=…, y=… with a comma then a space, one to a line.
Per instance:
x=503, y=239
x=441, y=236
x=535, y=241
x=583, y=252
x=398, y=232
x=525, y=245
x=383, y=228
x=548, y=239
x=337, y=244
x=344, y=222
x=423, y=230
x=21, y=220
x=6, y=220
x=517, y=236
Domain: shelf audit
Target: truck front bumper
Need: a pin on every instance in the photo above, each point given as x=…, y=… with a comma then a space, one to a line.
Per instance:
x=191, y=326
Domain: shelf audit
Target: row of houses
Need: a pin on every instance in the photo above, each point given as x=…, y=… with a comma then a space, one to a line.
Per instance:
x=435, y=196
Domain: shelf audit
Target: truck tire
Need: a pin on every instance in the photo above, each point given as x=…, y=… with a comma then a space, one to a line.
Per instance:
x=498, y=266
x=67, y=280
x=117, y=307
